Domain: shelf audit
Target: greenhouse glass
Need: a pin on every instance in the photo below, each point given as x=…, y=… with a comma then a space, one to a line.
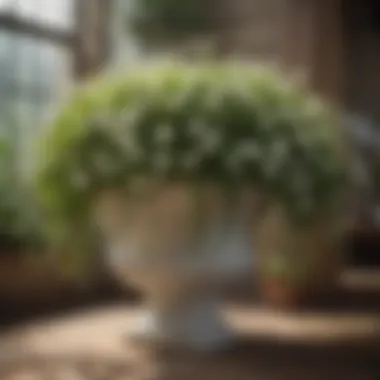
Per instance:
x=35, y=73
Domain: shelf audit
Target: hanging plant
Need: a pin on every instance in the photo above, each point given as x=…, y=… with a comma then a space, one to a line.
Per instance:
x=167, y=21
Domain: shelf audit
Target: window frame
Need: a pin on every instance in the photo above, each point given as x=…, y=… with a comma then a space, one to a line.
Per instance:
x=88, y=41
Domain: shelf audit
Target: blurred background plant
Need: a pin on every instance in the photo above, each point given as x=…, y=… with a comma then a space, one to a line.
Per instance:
x=281, y=266
x=285, y=277
x=20, y=225
x=169, y=22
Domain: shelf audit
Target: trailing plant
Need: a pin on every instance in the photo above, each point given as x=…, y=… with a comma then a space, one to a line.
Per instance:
x=229, y=125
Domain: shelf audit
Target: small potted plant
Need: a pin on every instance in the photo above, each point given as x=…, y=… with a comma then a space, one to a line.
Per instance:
x=284, y=280
x=170, y=164
x=308, y=256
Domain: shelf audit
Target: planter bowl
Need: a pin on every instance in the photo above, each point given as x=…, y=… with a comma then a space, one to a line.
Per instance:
x=181, y=262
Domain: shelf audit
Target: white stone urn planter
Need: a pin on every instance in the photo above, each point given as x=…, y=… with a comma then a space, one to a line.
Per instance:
x=181, y=247
x=182, y=243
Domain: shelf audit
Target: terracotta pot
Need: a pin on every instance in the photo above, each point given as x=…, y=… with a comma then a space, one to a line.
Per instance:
x=318, y=247
x=282, y=294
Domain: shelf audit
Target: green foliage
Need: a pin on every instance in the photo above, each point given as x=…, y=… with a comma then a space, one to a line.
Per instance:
x=156, y=21
x=225, y=124
x=20, y=227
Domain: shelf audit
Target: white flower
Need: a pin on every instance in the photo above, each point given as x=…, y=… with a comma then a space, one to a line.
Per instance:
x=162, y=162
x=248, y=150
x=163, y=134
x=276, y=158
x=79, y=180
x=305, y=203
x=244, y=153
x=208, y=138
x=211, y=141
x=104, y=121
x=197, y=128
x=129, y=118
x=301, y=184
x=129, y=145
x=180, y=99
x=279, y=149
x=192, y=160
x=104, y=164
x=314, y=107
x=234, y=163
x=305, y=140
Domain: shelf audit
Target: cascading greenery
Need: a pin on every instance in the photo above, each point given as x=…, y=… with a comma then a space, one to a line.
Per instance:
x=227, y=124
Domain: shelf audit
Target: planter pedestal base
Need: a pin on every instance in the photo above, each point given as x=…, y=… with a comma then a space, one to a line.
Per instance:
x=196, y=327
x=181, y=259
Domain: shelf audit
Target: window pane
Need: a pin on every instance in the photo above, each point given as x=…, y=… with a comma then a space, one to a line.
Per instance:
x=32, y=66
x=7, y=121
x=7, y=67
x=43, y=62
x=53, y=12
x=34, y=77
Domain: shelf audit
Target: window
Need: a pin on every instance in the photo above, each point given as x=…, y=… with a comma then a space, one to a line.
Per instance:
x=42, y=46
x=33, y=68
x=58, y=13
x=34, y=71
